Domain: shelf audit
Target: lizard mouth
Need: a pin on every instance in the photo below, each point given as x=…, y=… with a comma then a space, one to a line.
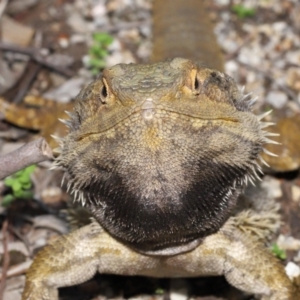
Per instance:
x=173, y=250
x=149, y=112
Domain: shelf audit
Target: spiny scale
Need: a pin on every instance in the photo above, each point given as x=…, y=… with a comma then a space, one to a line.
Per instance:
x=263, y=161
x=65, y=122
x=252, y=101
x=260, y=117
x=268, y=141
x=57, y=139
x=69, y=113
x=270, y=153
x=266, y=124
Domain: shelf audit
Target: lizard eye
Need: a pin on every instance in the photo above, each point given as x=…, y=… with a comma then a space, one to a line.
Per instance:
x=104, y=93
x=197, y=85
x=194, y=83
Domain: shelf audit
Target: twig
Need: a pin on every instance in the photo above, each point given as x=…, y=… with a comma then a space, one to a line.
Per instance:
x=17, y=270
x=21, y=237
x=29, y=154
x=6, y=258
x=36, y=55
x=17, y=92
x=3, y=5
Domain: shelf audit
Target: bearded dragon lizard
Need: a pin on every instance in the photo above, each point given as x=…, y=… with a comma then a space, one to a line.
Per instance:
x=160, y=154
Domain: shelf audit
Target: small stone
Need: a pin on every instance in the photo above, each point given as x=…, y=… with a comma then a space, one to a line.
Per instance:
x=12, y=295
x=115, y=46
x=77, y=38
x=222, y=2
x=295, y=193
x=279, y=26
x=77, y=23
x=67, y=91
x=52, y=195
x=63, y=42
x=292, y=270
x=145, y=49
x=293, y=57
x=293, y=78
x=232, y=68
x=15, y=33
x=99, y=10
x=272, y=186
x=288, y=243
x=277, y=99
x=251, y=56
x=178, y=289
x=119, y=57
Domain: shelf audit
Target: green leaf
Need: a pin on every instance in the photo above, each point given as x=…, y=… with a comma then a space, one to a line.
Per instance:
x=159, y=291
x=94, y=50
x=26, y=194
x=103, y=38
x=19, y=173
x=16, y=186
x=95, y=71
x=97, y=63
x=29, y=170
x=25, y=179
x=26, y=185
x=280, y=253
x=18, y=194
x=8, y=181
x=243, y=12
x=7, y=200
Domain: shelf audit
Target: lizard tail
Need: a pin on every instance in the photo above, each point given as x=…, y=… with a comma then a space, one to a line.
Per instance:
x=182, y=28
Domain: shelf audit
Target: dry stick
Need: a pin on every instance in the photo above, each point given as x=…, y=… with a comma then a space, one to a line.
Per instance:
x=17, y=270
x=29, y=154
x=6, y=258
x=3, y=5
x=35, y=54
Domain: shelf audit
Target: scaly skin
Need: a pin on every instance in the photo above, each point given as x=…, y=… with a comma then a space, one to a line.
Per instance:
x=75, y=258
x=159, y=154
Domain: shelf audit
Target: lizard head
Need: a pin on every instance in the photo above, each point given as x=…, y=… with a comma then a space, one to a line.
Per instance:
x=160, y=152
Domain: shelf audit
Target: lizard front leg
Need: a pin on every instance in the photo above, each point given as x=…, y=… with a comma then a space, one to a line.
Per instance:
x=75, y=258
x=245, y=263
x=68, y=260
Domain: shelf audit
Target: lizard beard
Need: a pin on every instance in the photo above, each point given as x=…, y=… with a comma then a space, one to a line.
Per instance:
x=158, y=219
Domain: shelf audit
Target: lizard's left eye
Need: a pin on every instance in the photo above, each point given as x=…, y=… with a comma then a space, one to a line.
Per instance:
x=197, y=85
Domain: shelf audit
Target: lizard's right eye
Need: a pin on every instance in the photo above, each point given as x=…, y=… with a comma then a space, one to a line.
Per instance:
x=103, y=94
